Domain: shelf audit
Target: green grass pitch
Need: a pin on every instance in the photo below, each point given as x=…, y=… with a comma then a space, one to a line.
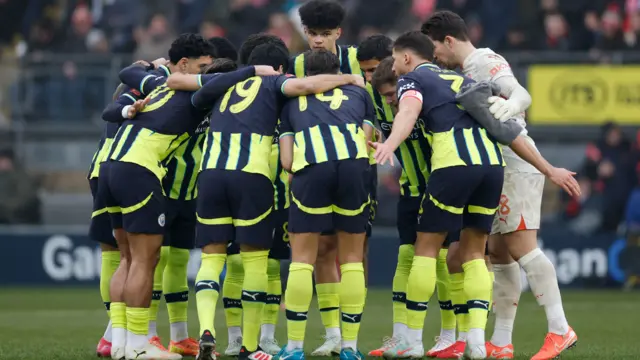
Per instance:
x=66, y=324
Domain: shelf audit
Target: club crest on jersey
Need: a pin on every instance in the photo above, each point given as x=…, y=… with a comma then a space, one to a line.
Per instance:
x=161, y=220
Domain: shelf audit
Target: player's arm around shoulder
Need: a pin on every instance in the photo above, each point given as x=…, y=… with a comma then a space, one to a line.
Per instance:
x=137, y=76
x=118, y=111
x=292, y=86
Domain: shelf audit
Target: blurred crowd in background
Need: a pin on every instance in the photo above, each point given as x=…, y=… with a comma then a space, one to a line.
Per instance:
x=146, y=27
x=41, y=35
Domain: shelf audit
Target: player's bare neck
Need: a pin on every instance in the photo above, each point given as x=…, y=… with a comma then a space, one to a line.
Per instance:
x=465, y=48
x=173, y=68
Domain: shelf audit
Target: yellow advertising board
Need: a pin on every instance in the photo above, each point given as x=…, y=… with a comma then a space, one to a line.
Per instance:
x=584, y=94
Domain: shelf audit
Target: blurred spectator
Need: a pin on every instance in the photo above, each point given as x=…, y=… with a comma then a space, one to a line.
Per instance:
x=557, y=32
x=155, y=40
x=610, y=168
x=209, y=29
x=19, y=193
x=281, y=26
x=611, y=37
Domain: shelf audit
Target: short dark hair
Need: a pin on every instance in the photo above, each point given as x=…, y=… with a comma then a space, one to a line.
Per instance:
x=253, y=41
x=417, y=42
x=321, y=61
x=322, y=14
x=190, y=46
x=375, y=47
x=384, y=73
x=270, y=54
x=224, y=48
x=220, y=65
x=445, y=23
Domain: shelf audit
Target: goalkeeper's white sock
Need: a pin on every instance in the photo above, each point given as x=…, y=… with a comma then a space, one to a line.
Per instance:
x=506, y=295
x=544, y=284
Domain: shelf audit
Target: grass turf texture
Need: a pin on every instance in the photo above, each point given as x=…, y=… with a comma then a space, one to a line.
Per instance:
x=54, y=323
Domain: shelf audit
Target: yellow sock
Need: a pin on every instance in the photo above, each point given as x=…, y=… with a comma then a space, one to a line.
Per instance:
x=443, y=284
x=459, y=302
x=138, y=320
x=493, y=279
x=477, y=289
x=421, y=285
x=208, y=289
x=329, y=304
x=351, y=301
x=254, y=295
x=176, y=292
x=118, y=315
x=110, y=262
x=157, y=286
x=400, y=280
x=274, y=293
x=297, y=299
x=232, y=291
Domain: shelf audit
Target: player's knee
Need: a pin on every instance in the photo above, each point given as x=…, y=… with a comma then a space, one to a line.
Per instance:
x=327, y=247
x=178, y=257
x=106, y=247
x=273, y=270
x=454, y=261
x=520, y=243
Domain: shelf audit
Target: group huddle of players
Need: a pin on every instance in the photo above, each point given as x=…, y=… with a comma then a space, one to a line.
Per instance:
x=256, y=157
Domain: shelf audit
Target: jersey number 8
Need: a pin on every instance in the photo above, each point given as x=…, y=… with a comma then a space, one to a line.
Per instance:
x=247, y=90
x=335, y=99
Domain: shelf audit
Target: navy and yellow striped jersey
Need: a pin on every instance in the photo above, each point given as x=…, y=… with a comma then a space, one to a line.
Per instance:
x=153, y=136
x=243, y=123
x=328, y=126
x=113, y=116
x=455, y=138
x=182, y=170
x=414, y=156
x=280, y=177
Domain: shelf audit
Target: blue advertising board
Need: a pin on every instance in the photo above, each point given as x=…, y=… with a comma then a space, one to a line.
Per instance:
x=65, y=257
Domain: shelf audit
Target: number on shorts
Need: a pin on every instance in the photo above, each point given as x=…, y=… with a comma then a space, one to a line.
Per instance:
x=247, y=90
x=285, y=231
x=335, y=99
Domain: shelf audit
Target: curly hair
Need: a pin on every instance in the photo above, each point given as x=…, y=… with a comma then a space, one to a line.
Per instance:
x=190, y=46
x=322, y=14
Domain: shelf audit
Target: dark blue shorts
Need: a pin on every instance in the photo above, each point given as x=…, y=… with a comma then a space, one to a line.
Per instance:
x=280, y=249
x=100, y=229
x=407, y=220
x=373, y=205
x=331, y=195
x=234, y=205
x=461, y=197
x=180, y=228
x=137, y=192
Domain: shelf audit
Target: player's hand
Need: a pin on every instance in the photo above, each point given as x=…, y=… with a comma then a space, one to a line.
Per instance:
x=142, y=62
x=137, y=107
x=358, y=80
x=564, y=178
x=265, y=70
x=384, y=152
x=502, y=109
x=159, y=62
